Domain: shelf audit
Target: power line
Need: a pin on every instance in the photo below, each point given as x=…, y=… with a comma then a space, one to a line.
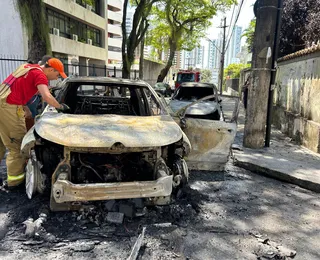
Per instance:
x=234, y=8
x=214, y=45
x=238, y=14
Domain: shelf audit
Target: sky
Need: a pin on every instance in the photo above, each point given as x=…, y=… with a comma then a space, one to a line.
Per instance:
x=246, y=15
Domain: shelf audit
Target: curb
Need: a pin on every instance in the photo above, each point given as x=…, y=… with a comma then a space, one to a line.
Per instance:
x=309, y=185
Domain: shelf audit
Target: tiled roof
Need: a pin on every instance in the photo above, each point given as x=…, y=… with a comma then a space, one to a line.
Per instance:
x=314, y=48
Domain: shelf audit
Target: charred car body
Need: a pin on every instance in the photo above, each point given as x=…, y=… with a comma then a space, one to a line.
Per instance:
x=188, y=93
x=210, y=122
x=117, y=142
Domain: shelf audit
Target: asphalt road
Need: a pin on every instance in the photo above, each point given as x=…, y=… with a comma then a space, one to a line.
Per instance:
x=230, y=215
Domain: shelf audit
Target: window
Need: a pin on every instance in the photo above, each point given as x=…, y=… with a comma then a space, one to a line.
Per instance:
x=68, y=26
x=95, y=6
x=186, y=77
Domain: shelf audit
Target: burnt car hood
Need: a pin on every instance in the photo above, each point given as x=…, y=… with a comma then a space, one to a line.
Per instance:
x=103, y=131
x=201, y=108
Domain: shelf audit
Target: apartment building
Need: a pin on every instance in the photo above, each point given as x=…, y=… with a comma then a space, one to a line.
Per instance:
x=78, y=32
x=89, y=34
x=114, y=16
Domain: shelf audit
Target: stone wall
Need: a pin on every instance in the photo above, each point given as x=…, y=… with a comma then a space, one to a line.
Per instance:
x=152, y=70
x=232, y=86
x=297, y=98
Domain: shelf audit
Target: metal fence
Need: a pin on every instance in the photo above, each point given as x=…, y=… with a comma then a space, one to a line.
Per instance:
x=8, y=63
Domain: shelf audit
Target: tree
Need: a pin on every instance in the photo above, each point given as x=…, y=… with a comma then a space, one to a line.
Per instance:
x=234, y=69
x=158, y=37
x=33, y=18
x=249, y=34
x=300, y=25
x=206, y=76
x=185, y=22
x=140, y=25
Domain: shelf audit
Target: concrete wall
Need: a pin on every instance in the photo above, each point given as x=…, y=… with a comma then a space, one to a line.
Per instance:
x=151, y=71
x=232, y=87
x=297, y=100
x=71, y=47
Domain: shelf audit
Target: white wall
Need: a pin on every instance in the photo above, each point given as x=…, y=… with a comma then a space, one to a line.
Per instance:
x=12, y=39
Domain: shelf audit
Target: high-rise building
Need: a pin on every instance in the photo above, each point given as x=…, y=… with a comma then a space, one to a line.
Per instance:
x=199, y=52
x=214, y=53
x=114, y=15
x=234, y=47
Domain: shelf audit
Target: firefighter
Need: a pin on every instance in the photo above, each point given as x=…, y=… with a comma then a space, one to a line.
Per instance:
x=15, y=92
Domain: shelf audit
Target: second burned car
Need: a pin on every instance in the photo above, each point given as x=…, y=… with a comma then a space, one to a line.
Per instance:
x=117, y=142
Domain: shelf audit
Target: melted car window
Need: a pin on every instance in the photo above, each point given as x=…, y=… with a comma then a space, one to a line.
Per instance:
x=119, y=99
x=155, y=107
x=192, y=93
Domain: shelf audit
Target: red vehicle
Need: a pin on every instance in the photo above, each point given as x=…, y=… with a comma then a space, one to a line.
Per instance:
x=187, y=76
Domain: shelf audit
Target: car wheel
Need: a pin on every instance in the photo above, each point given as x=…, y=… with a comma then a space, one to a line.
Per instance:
x=35, y=180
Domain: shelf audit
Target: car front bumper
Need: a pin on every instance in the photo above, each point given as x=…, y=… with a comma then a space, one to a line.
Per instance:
x=66, y=191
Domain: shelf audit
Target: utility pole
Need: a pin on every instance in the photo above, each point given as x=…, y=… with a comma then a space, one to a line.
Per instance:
x=223, y=51
x=274, y=72
x=256, y=116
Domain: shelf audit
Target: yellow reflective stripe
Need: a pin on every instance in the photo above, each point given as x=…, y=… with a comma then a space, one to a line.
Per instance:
x=16, y=178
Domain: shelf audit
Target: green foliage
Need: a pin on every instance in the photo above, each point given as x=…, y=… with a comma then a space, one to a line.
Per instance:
x=89, y=2
x=233, y=70
x=300, y=25
x=206, y=76
x=182, y=23
x=249, y=34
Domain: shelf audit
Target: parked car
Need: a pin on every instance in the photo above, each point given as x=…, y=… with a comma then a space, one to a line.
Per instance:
x=210, y=122
x=116, y=142
x=189, y=92
x=163, y=88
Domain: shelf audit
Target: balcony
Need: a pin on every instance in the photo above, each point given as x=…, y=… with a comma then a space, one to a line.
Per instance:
x=115, y=16
x=72, y=9
x=112, y=55
x=117, y=4
x=72, y=47
x=115, y=29
x=115, y=42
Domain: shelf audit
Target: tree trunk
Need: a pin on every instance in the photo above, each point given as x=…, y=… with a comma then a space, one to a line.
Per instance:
x=159, y=54
x=125, y=66
x=38, y=32
x=141, y=59
x=165, y=70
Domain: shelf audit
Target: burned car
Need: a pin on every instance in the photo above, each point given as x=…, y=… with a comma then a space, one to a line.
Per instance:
x=210, y=122
x=117, y=142
x=189, y=92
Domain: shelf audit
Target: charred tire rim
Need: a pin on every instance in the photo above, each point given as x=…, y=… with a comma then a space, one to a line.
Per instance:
x=34, y=178
x=181, y=168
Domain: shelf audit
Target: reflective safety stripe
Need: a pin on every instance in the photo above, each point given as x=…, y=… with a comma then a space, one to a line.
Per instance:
x=16, y=178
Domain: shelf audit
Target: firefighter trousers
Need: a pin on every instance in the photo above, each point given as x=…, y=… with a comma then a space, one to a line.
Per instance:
x=12, y=131
x=2, y=150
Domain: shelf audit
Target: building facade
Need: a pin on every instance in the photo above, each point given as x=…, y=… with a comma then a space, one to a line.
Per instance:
x=114, y=15
x=214, y=54
x=79, y=33
x=234, y=47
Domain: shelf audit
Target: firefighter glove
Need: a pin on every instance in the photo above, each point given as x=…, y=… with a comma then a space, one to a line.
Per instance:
x=63, y=108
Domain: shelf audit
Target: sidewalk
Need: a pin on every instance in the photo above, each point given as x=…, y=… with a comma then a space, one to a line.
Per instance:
x=283, y=160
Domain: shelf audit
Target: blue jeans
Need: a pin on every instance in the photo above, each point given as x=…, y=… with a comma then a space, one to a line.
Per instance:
x=33, y=104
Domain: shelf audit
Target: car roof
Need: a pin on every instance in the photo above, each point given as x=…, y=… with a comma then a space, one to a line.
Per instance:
x=105, y=80
x=197, y=84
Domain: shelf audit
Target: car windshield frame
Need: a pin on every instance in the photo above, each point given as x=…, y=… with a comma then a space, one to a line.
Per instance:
x=148, y=96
